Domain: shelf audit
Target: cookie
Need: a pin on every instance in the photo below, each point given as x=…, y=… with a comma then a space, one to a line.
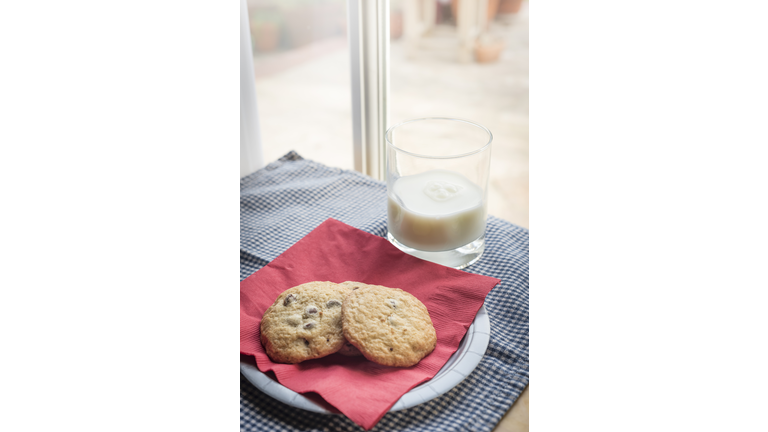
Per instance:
x=388, y=325
x=304, y=323
x=348, y=349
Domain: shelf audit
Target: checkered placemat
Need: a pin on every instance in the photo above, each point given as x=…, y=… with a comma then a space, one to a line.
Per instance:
x=284, y=201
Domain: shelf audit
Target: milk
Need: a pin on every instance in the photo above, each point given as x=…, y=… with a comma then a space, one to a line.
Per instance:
x=436, y=211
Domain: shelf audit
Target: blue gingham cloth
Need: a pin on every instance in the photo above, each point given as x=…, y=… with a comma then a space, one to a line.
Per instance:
x=284, y=201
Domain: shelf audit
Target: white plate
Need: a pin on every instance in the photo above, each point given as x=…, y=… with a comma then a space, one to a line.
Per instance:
x=459, y=366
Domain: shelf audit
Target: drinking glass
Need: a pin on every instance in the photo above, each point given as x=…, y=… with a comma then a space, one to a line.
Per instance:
x=437, y=189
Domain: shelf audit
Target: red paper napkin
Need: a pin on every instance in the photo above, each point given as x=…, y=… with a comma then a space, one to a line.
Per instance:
x=362, y=390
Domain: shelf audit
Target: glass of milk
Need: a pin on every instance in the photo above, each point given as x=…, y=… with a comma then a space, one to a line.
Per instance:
x=437, y=189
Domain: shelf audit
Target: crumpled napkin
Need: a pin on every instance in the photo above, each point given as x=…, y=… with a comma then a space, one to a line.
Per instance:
x=362, y=390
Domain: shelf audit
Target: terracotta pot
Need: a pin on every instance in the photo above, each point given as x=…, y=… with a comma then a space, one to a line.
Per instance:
x=493, y=7
x=509, y=7
x=266, y=37
x=395, y=24
x=488, y=52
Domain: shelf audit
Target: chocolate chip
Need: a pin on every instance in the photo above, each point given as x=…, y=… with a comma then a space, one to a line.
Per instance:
x=289, y=299
x=309, y=325
x=390, y=349
x=306, y=342
x=332, y=303
x=327, y=340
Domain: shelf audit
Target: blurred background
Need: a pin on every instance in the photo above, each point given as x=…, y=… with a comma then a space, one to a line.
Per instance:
x=301, y=62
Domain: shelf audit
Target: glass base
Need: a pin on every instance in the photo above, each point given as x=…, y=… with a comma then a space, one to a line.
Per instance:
x=457, y=258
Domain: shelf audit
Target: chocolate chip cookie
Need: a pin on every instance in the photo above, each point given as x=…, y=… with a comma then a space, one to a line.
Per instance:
x=388, y=325
x=304, y=323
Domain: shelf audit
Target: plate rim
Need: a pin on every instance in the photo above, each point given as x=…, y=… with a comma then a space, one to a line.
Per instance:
x=476, y=341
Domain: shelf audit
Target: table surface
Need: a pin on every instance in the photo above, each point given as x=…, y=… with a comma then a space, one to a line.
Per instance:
x=516, y=419
x=285, y=200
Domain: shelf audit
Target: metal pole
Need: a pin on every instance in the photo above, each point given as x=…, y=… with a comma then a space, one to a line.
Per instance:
x=369, y=72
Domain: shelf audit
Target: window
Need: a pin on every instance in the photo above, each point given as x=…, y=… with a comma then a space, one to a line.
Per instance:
x=446, y=58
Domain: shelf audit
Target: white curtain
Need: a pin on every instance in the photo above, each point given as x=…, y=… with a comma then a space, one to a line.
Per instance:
x=251, y=157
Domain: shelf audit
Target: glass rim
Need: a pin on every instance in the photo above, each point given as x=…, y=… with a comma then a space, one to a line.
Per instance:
x=486, y=145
